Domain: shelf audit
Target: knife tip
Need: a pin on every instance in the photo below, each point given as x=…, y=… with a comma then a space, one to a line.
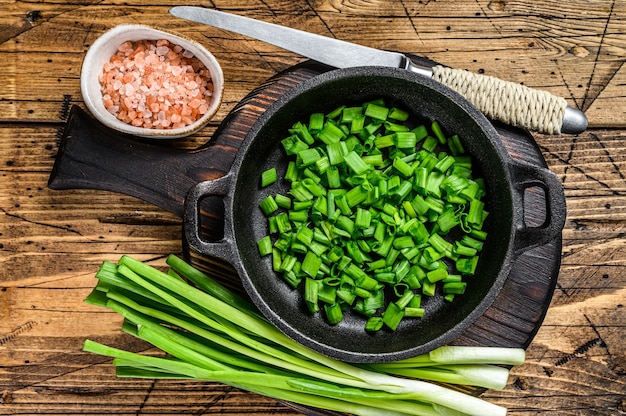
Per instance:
x=175, y=10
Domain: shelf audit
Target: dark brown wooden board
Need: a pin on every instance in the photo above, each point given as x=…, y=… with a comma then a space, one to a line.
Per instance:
x=92, y=157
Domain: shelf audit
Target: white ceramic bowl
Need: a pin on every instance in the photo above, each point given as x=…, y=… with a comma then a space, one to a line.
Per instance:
x=106, y=45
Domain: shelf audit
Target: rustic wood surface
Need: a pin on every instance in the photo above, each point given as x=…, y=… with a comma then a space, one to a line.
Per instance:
x=53, y=241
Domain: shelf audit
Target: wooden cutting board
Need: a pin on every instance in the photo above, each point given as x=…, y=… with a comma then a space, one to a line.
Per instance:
x=93, y=157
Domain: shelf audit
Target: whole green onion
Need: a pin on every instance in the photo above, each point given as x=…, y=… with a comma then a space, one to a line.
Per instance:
x=207, y=332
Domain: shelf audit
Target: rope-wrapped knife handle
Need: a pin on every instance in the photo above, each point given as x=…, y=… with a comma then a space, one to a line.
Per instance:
x=513, y=104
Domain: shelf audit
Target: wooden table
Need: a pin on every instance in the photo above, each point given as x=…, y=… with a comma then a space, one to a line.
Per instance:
x=52, y=242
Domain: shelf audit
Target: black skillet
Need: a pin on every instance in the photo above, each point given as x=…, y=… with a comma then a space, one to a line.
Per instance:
x=244, y=223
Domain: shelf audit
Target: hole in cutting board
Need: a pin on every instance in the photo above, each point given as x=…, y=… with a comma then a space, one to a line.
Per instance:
x=535, y=206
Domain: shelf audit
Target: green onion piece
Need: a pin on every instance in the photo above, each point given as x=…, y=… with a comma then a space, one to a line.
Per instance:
x=393, y=315
x=374, y=301
x=430, y=143
x=300, y=192
x=373, y=324
x=363, y=218
x=401, y=192
x=479, y=234
x=336, y=152
x=467, y=266
x=334, y=314
x=304, y=235
x=316, y=122
x=313, y=187
x=268, y=177
x=282, y=222
x=421, y=132
x=436, y=128
x=302, y=132
x=428, y=288
x=357, y=124
x=311, y=264
x=381, y=142
x=355, y=196
x=376, y=111
x=385, y=277
x=309, y=156
x=402, y=167
x=457, y=288
x=327, y=293
x=268, y=205
x=410, y=312
x=276, y=259
x=405, y=299
x=398, y=114
x=311, y=292
x=298, y=216
x=282, y=201
x=436, y=275
x=376, y=160
x=336, y=112
x=394, y=127
x=462, y=250
x=330, y=133
x=288, y=263
x=291, y=175
x=444, y=164
x=456, y=147
x=439, y=243
x=293, y=145
x=355, y=163
x=283, y=243
x=265, y=246
x=405, y=140
x=475, y=215
x=403, y=242
x=349, y=113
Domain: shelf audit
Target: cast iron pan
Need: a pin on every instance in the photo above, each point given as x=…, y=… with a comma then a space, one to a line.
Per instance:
x=244, y=223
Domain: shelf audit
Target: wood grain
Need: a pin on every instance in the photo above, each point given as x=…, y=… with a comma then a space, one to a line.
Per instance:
x=51, y=242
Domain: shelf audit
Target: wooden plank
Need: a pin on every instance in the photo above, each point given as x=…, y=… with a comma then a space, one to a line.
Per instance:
x=545, y=48
x=51, y=242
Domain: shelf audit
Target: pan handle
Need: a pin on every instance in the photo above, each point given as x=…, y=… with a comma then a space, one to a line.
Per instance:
x=222, y=249
x=527, y=176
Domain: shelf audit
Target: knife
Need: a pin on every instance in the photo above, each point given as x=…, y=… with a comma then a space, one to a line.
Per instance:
x=505, y=101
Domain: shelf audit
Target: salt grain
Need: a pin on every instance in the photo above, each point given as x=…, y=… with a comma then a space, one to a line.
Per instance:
x=154, y=84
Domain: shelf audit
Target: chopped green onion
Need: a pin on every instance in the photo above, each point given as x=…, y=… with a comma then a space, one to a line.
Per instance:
x=436, y=128
x=268, y=177
x=377, y=112
x=398, y=114
x=355, y=163
x=378, y=202
x=316, y=122
x=330, y=133
x=268, y=205
x=334, y=314
x=265, y=245
x=282, y=201
x=393, y=315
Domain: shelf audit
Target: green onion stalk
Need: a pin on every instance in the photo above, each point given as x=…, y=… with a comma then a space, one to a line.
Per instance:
x=208, y=332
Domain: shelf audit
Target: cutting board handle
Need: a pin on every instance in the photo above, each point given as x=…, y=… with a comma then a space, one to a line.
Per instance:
x=92, y=156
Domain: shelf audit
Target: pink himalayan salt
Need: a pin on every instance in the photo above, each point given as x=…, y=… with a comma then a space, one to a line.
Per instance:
x=155, y=84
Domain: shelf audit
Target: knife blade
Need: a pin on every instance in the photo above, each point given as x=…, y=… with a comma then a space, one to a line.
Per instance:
x=505, y=101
